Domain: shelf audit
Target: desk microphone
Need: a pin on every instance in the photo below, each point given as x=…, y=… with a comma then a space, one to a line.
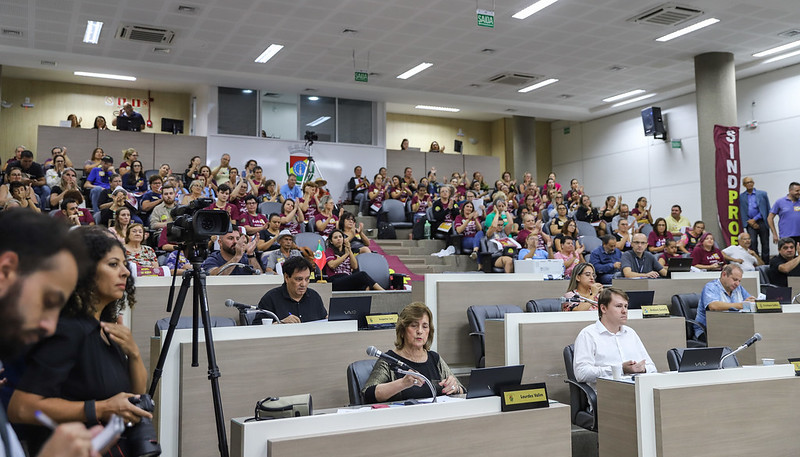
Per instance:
x=234, y=304
x=372, y=351
x=243, y=308
x=577, y=299
x=747, y=344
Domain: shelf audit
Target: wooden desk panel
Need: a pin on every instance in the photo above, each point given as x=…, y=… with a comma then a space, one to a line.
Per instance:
x=542, y=348
x=743, y=418
x=779, y=332
x=531, y=433
x=616, y=414
x=256, y=368
x=452, y=326
x=151, y=302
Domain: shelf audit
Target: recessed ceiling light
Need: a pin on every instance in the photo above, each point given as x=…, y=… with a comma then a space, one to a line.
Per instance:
x=690, y=29
x=781, y=57
x=533, y=9
x=633, y=100
x=777, y=49
x=318, y=121
x=247, y=91
x=538, y=85
x=625, y=95
x=104, y=75
x=438, y=108
x=269, y=53
x=421, y=67
x=313, y=98
x=92, y=34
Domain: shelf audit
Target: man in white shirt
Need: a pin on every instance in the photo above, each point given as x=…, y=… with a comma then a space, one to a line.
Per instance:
x=609, y=342
x=742, y=254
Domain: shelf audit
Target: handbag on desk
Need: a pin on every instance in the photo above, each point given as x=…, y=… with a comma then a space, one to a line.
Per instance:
x=281, y=407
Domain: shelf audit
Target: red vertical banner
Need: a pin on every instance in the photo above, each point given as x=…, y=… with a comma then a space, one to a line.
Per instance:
x=728, y=179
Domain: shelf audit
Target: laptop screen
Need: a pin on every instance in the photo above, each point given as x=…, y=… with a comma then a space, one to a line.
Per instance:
x=485, y=382
x=637, y=298
x=779, y=294
x=699, y=359
x=350, y=308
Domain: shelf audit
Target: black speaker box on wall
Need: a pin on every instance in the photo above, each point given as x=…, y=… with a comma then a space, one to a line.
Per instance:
x=653, y=122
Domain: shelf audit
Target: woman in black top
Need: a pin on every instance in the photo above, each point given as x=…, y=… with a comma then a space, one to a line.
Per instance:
x=414, y=335
x=134, y=180
x=90, y=367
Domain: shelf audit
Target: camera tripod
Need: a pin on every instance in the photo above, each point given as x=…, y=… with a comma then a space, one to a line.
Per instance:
x=197, y=278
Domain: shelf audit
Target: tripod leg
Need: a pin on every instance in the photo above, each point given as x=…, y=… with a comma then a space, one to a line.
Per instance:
x=213, y=369
x=173, y=323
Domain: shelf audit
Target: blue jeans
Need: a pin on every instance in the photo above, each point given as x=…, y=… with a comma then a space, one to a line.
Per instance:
x=94, y=196
x=468, y=244
x=43, y=192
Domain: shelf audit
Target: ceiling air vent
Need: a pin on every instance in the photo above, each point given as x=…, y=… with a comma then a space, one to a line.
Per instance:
x=513, y=79
x=667, y=14
x=145, y=34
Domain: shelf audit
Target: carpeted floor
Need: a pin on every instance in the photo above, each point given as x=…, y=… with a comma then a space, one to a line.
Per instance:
x=394, y=262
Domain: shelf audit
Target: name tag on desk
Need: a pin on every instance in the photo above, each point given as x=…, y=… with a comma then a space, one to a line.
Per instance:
x=796, y=364
x=525, y=396
x=380, y=321
x=655, y=311
x=768, y=307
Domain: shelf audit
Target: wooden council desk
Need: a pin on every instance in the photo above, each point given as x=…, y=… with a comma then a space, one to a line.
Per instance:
x=734, y=412
x=537, y=340
x=455, y=428
x=254, y=362
x=778, y=330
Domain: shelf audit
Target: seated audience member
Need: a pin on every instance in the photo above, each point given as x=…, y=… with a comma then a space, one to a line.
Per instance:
x=221, y=174
x=532, y=248
x=271, y=194
x=35, y=173
x=98, y=180
x=435, y=147
x=357, y=186
x=677, y=222
x=291, y=189
x=69, y=181
x=193, y=170
x=570, y=255
x=21, y=193
x=421, y=201
x=14, y=175
x=152, y=197
x=195, y=192
x=670, y=252
x=119, y=200
x=249, y=169
x=609, y=342
x=638, y=263
x=691, y=236
x=94, y=161
x=468, y=224
x=286, y=250
x=250, y=219
x=587, y=213
x=135, y=121
x=785, y=264
x=340, y=266
x=623, y=236
x=606, y=259
x=269, y=234
x=560, y=218
x=550, y=208
x=414, y=335
x=85, y=215
x=308, y=204
x=222, y=203
x=742, y=254
x=293, y=302
x=52, y=175
x=376, y=194
x=162, y=213
x=100, y=123
x=183, y=263
x=128, y=156
x=511, y=183
x=105, y=198
x=706, y=256
x=398, y=190
x=233, y=248
x=657, y=239
x=642, y=212
x=498, y=225
x=575, y=188
x=409, y=181
x=445, y=211
x=354, y=233
x=291, y=217
x=611, y=208
x=180, y=190
x=568, y=231
x=238, y=193
x=582, y=292
x=477, y=202
x=15, y=157
x=143, y=256
x=210, y=190
x=134, y=180
x=325, y=220
x=722, y=294
x=69, y=212
x=624, y=213
x=530, y=225
x=121, y=221
x=257, y=185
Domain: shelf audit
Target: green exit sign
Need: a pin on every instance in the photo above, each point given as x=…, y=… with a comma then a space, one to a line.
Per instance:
x=362, y=76
x=566, y=130
x=486, y=18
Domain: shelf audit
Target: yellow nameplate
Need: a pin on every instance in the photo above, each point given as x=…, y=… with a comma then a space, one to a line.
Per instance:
x=796, y=365
x=655, y=311
x=525, y=396
x=768, y=307
x=381, y=319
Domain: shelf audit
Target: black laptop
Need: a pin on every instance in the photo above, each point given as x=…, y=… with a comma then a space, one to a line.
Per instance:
x=485, y=382
x=637, y=298
x=700, y=359
x=779, y=294
x=678, y=265
x=350, y=309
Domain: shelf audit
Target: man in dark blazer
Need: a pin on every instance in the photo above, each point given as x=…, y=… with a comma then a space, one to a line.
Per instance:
x=754, y=209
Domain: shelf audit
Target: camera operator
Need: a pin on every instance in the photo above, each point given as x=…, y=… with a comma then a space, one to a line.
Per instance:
x=35, y=280
x=233, y=248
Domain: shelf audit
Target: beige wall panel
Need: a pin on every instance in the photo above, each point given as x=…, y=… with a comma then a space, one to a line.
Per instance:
x=422, y=130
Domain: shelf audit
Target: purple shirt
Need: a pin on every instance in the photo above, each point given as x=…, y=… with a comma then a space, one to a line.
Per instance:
x=788, y=213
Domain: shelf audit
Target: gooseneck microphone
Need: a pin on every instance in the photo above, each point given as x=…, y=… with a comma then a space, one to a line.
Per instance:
x=372, y=351
x=747, y=344
x=235, y=304
x=243, y=308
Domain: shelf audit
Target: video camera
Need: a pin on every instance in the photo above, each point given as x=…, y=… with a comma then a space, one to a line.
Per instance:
x=191, y=224
x=311, y=137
